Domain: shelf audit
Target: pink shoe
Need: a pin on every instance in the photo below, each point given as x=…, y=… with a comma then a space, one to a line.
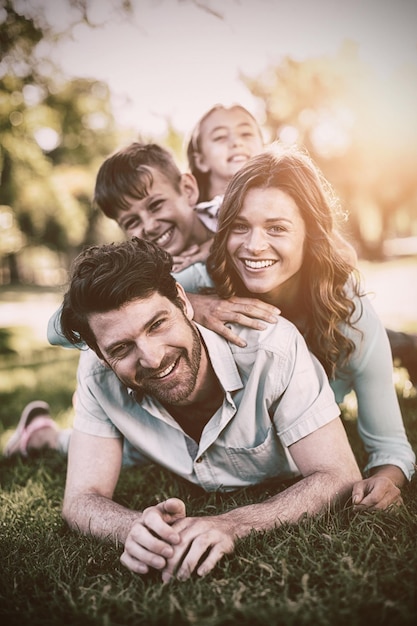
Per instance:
x=35, y=415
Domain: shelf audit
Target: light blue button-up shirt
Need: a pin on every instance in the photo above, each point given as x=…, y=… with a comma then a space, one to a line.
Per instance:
x=368, y=374
x=275, y=393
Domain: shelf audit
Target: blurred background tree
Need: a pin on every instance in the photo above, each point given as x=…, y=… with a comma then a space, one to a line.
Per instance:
x=356, y=126
x=55, y=132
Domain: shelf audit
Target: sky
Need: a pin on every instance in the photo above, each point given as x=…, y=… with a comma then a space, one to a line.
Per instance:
x=174, y=59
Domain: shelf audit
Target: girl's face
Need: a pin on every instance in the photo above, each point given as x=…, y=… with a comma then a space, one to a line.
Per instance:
x=266, y=245
x=228, y=139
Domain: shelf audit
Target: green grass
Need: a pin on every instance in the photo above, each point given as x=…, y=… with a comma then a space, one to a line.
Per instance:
x=48, y=375
x=341, y=568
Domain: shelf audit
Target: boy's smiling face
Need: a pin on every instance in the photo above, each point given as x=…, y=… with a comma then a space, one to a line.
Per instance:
x=165, y=216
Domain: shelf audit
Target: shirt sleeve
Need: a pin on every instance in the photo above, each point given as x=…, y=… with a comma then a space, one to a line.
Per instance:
x=194, y=277
x=308, y=402
x=380, y=423
x=54, y=332
x=93, y=404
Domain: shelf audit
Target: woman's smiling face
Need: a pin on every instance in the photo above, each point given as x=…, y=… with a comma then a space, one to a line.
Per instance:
x=266, y=244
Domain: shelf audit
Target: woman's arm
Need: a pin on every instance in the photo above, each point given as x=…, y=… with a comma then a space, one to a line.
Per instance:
x=214, y=313
x=380, y=425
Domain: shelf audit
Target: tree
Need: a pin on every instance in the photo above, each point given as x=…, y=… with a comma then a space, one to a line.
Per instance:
x=360, y=128
x=53, y=134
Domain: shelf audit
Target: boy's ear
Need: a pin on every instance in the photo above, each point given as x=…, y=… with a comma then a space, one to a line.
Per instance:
x=189, y=188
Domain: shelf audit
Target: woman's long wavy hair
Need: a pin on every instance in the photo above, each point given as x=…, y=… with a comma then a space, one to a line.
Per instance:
x=324, y=273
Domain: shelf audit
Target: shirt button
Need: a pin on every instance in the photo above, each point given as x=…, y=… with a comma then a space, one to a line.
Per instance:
x=200, y=459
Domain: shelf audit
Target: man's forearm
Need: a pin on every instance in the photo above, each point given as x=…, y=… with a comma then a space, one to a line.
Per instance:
x=310, y=496
x=204, y=540
x=99, y=516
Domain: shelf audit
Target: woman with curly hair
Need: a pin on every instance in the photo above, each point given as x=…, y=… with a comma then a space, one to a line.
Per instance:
x=276, y=242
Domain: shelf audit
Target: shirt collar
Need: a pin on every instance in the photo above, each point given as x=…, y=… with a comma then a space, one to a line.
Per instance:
x=211, y=207
x=222, y=359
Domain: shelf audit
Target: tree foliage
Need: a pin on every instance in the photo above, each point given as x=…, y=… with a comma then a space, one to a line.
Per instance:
x=53, y=134
x=359, y=127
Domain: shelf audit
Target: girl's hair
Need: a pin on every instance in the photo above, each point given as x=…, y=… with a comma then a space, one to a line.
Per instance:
x=326, y=305
x=125, y=174
x=106, y=277
x=194, y=146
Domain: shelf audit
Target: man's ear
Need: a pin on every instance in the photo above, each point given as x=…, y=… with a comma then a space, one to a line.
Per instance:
x=189, y=188
x=102, y=359
x=188, y=309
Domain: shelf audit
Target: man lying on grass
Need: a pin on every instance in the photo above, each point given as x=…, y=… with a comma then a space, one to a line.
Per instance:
x=171, y=392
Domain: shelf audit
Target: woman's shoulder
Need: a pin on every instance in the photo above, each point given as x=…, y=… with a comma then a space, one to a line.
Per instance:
x=363, y=310
x=365, y=329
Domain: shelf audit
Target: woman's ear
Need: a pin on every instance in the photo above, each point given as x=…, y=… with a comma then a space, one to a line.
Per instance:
x=189, y=188
x=187, y=307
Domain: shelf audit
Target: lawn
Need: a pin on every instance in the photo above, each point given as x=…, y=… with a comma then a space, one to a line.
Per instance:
x=341, y=568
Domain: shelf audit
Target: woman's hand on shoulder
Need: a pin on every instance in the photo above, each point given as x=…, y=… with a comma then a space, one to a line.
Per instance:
x=214, y=313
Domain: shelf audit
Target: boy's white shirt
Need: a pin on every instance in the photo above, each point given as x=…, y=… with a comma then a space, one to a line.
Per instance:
x=208, y=212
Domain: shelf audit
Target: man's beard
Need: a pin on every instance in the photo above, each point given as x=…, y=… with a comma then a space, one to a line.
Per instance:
x=181, y=388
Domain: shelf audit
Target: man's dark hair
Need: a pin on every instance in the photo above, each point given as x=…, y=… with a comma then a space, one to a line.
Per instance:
x=104, y=278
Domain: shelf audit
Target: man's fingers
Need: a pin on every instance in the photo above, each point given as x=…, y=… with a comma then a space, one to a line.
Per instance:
x=139, y=558
x=151, y=538
x=173, y=507
x=154, y=528
x=210, y=560
x=141, y=538
x=202, y=545
x=133, y=565
x=201, y=558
